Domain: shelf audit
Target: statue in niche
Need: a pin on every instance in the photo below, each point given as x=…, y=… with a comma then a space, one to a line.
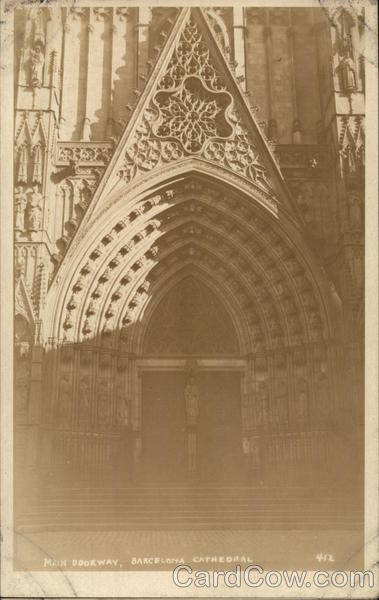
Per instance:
x=122, y=406
x=37, y=61
x=347, y=74
x=84, y=397
x=102, y=396
x=272, y=130
x=22, y=366
x=322, y=395
x=304, y=199
x=65, y=395
x=191, y=395
x=345, y=45
x=346, y=67
x=300, y=402
x=20, y=203
x=354, y=210
x=254, y=452
x=261, y=405
x=279, y=403
x=35, y=209
x=84, y=193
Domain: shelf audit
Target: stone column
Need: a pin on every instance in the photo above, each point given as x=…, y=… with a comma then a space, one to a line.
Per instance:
x=296, y=125
x=272, y=127
x=143, y=28
x=239, y=44
x=191, y=397
x=246, y=421
x=120, y=48
x=136, y=413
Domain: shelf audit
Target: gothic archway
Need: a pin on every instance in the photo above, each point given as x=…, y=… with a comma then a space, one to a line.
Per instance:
x=272, y=289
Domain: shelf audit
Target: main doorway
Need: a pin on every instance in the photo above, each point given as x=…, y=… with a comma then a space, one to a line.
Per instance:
x=216, y=436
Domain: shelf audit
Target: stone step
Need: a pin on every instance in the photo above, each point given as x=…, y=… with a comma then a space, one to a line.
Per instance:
x=185, y=506
x=251, y=525
x=188, y=507
x=192, y=513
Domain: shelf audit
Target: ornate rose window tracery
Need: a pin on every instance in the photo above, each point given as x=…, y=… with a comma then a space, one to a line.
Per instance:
x=192, y=113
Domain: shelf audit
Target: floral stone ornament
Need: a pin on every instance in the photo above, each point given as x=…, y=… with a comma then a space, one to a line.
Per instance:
x=192, y=113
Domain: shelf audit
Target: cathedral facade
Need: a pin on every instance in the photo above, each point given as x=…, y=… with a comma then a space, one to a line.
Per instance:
x=189, y=244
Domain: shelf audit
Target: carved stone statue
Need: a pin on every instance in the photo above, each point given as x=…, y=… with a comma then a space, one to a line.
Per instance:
x=191, y=395
x=122, y=406
x=347, y=74
x=37, y=61
x=354, y=210
x=261, y=406
x=102, y=395
x=65, y=395
x=84, y=397
x=20, y=203
x=35, y=210
x=300, y=402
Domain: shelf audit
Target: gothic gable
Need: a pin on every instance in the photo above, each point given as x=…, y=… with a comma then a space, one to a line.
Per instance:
x=192, y=108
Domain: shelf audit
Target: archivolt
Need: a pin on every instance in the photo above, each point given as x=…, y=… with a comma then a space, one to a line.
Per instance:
x=272, y=283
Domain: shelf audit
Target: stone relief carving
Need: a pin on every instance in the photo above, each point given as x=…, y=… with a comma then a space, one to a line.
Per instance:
x=84, y=153
x=192, y=113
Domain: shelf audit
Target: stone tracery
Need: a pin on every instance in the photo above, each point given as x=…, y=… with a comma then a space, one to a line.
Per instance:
x=191, y=112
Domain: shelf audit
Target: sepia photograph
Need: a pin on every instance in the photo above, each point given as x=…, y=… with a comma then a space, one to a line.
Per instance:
x=185, y=249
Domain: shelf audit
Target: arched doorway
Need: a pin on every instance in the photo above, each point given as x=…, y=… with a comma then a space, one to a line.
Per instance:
x=191, y=389
x=193, y=259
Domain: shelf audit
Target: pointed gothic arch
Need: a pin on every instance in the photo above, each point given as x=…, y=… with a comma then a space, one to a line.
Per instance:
x=115, y=260
x=190, y=320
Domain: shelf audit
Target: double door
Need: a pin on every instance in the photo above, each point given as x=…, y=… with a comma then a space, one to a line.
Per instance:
x=216, y=438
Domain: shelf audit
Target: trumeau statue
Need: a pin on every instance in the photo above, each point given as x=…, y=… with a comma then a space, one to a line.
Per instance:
x=191, y=395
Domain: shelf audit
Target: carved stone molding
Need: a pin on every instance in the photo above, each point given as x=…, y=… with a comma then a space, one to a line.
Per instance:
x=192, y=113
x=312, y=159
x=83, y=154
x=351, y=137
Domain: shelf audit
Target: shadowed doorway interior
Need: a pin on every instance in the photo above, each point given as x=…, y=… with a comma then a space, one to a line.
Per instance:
x=164, y=428
x=192, y=436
